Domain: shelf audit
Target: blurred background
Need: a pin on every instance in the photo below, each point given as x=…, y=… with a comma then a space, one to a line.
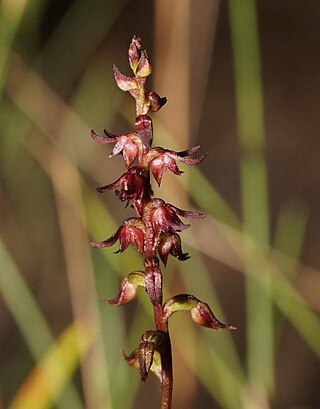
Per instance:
x=242, y=80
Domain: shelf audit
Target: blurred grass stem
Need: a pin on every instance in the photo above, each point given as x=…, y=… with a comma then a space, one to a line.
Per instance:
x=253, y=174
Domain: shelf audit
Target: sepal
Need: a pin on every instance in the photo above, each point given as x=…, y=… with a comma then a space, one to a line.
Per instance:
x=200, y=311
x=151, y=341
x=133, y=360
x=124, y=82
x=130, y=233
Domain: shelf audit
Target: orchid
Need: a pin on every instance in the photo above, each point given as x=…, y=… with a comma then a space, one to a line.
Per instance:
x=154, y=230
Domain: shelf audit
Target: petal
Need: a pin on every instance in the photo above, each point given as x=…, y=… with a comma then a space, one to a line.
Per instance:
x=186, y=213
x=124, y=83
x=171, y=164
x=158, y=167
x=130, y=152
x=190, y=161
x=112, y=186
x=109, y=134
x=118, y=146
x=109, y=242
x=187, y=152
x=138, y=238
x=103, y=139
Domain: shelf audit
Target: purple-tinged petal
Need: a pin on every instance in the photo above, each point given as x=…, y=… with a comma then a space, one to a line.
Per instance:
x=190, y=161
x=186, y=213
x=107, y=243
x=111, y=186
x=130, y=152
x=110, y=135
x=172, y=165
x=187, y=152
x=158, y=168
x=118, y=146
x=103, y=139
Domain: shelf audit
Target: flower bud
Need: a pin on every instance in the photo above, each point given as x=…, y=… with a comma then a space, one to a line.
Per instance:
x=171, y=244
x=151, y=341
x=128, y=289
x=134, y=53
x=155, y=101
x=200, y=311
x=202, y=315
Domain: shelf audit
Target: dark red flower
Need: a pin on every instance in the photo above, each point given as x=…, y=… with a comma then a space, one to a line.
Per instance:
x=131, y=185
x=127, y=144
x=171, y=244
x=164, y=217
x=160, y=160
x=131, y=232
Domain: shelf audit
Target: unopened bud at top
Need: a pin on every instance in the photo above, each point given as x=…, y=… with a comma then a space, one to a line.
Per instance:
x=134, y=53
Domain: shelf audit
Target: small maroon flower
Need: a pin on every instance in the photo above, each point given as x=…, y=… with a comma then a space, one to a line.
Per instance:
x=131, y=232
x=156, y=102
x=127, y=144
x=160, y=160
x=131, y=185
x=164, y=217
x=171, y=244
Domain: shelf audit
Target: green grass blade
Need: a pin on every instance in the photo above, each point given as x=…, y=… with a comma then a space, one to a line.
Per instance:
x=45, y=383
x=27, y=315
x=253, y=174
